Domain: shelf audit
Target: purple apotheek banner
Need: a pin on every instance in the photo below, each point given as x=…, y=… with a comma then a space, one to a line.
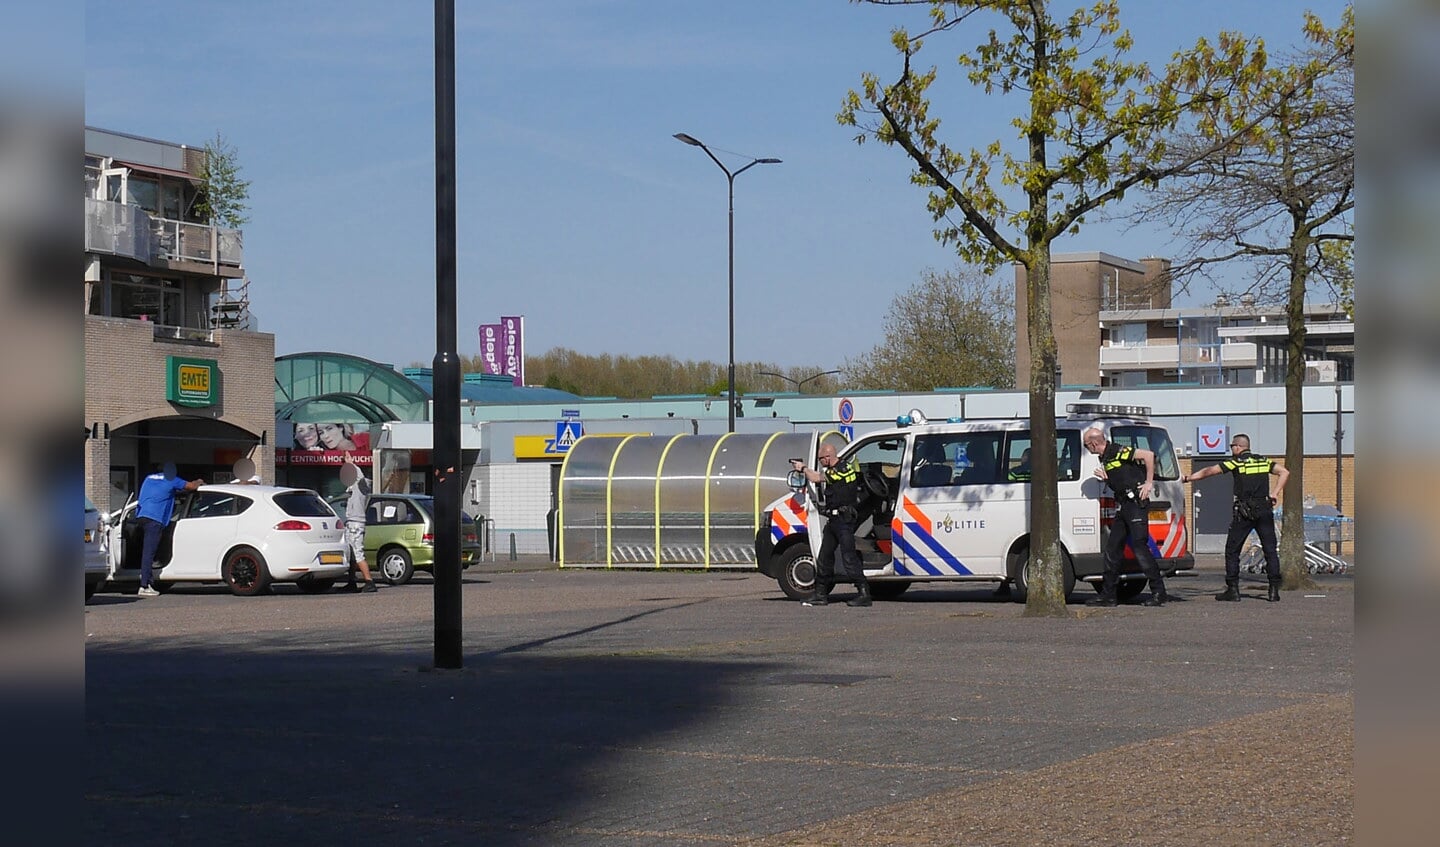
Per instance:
x=512, y=347
x=492, y=358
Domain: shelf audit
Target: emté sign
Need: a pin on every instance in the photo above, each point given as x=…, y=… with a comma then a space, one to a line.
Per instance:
x=192, y=382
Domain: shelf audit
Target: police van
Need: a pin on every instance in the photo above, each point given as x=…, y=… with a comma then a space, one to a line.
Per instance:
x=950, y=502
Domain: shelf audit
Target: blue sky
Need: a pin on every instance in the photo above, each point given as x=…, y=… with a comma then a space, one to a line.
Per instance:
x=577, y=208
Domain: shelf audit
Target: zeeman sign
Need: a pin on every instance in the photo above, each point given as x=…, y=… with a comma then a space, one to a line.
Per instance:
x=192, y=382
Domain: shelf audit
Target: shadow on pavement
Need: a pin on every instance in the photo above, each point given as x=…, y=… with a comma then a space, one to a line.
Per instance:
x=288, y=745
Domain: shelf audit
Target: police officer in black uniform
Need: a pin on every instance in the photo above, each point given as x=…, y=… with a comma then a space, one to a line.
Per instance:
x=1130, y=473
x=1254, y=509
x=843, y=494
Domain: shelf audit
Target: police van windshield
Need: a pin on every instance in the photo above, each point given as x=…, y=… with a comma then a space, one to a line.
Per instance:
x=1150, y=438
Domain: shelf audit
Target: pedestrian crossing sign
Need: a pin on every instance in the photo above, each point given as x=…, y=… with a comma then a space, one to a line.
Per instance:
x=567, y=432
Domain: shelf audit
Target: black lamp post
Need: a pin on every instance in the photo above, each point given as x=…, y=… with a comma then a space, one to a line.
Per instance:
x=730, y=178
x=798, y=383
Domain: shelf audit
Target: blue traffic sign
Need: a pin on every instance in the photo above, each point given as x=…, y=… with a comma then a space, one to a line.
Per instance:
x=567, y=432
x=848, y=431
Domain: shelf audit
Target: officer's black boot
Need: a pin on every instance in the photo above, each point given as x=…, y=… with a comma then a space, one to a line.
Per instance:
x=1157, y=597
x=861, y=599
x=1274, y=595
x=1231, y=592
x=1107, y=594
x=821, y=597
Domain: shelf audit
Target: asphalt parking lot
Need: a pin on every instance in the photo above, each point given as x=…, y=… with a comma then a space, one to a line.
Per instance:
x=657, y=708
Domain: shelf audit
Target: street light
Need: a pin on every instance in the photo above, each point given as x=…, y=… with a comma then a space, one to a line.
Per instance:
x=730, y=178
x=798, y=383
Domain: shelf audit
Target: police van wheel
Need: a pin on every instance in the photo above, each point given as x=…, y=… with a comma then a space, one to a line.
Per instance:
x=797, y=572
x=1020, y=583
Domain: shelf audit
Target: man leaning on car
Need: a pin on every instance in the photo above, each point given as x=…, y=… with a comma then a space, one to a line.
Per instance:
x=156, y=505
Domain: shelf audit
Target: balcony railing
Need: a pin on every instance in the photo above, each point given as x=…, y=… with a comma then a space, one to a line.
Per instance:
x=125, y=230
x=1138, y=356
x=118, y=229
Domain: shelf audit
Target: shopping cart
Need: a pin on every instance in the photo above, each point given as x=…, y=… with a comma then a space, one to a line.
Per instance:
x=1323, y=527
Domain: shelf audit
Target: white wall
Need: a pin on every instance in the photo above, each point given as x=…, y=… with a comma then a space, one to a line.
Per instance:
x=516, y=497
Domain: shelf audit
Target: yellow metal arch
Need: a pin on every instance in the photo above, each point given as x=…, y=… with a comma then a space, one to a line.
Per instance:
x=659, y=474
x=709, y=466
x=760, y=463
x=610, y=504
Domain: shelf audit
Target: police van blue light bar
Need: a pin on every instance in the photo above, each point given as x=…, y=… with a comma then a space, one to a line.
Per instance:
x=914, y=418
x=1106, y=410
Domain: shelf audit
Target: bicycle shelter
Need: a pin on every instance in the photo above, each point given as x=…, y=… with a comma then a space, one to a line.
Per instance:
x=685, y=501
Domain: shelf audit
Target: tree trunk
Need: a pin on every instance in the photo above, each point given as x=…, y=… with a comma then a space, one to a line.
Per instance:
x=1046, y=596
x=1292, y=536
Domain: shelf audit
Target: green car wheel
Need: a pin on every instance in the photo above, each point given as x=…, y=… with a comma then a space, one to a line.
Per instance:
x=395, y=565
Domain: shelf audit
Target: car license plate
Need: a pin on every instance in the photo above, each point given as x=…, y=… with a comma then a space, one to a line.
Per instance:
x=332, y=558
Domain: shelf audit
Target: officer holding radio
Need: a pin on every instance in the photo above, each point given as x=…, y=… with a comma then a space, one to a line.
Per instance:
x=1255, y=498
x=1130, y=473
x=843, y=493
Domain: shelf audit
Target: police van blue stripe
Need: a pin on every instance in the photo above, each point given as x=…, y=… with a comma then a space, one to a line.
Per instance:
x=914, y=558
x=923, y=559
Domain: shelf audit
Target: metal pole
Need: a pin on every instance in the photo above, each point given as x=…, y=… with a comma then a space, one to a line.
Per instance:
x=731, y=404
x=446, y=423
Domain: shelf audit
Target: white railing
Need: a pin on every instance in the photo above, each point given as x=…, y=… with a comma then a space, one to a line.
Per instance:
x=1241, y=355
x=1130, y=356
x=117, y=229
x=189, y=242
x=125, y=230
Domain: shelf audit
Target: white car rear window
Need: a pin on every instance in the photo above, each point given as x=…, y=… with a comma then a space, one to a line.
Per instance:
x=303, y=504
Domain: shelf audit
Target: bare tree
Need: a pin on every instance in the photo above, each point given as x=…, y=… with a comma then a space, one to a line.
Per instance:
x=1091, y=126
x=1279, y=199
x=951, y=329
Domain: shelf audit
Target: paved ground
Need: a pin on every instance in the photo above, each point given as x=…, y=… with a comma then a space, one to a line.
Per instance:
x=648, y=708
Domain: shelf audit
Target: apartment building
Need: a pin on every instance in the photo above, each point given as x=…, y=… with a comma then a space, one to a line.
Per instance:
x=1115, y=326
x=175, y=367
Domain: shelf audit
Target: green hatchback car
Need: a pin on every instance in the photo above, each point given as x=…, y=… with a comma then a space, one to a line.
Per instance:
x=400, y=539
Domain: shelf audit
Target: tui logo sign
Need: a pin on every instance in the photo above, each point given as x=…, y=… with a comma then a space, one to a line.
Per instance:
x=1212, y=438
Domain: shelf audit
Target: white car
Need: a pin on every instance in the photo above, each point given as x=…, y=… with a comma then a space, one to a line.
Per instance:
x=246, y=536
x=97, y=562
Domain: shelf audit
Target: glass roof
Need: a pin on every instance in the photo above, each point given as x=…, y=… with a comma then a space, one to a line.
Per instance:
x=346, y=389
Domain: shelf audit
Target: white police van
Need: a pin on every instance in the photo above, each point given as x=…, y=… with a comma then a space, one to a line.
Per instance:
x=950, y=502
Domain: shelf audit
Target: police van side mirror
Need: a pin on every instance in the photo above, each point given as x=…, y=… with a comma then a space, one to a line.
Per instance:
x=796, y=480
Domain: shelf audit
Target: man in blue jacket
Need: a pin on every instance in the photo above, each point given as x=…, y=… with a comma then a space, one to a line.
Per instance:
x=156, y=505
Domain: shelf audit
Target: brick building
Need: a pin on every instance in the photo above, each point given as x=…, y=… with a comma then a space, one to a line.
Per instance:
x=174, y=368
x=1115, y=327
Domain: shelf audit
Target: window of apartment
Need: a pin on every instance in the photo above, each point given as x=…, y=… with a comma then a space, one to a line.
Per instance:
x=139, y=298
x=144, y=193
x=172, y=200
x=1125, y=379
x=1128, y=334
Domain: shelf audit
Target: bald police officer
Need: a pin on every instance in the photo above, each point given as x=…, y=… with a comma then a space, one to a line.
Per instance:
x=844, y=492
x=1254, y=509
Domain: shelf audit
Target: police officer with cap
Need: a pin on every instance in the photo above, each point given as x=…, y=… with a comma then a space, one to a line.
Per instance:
x=1255, y=497
x=1130, y=473
x=843, y=493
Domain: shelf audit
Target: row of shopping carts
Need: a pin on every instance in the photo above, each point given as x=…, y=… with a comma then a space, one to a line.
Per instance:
x=1324, y=528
